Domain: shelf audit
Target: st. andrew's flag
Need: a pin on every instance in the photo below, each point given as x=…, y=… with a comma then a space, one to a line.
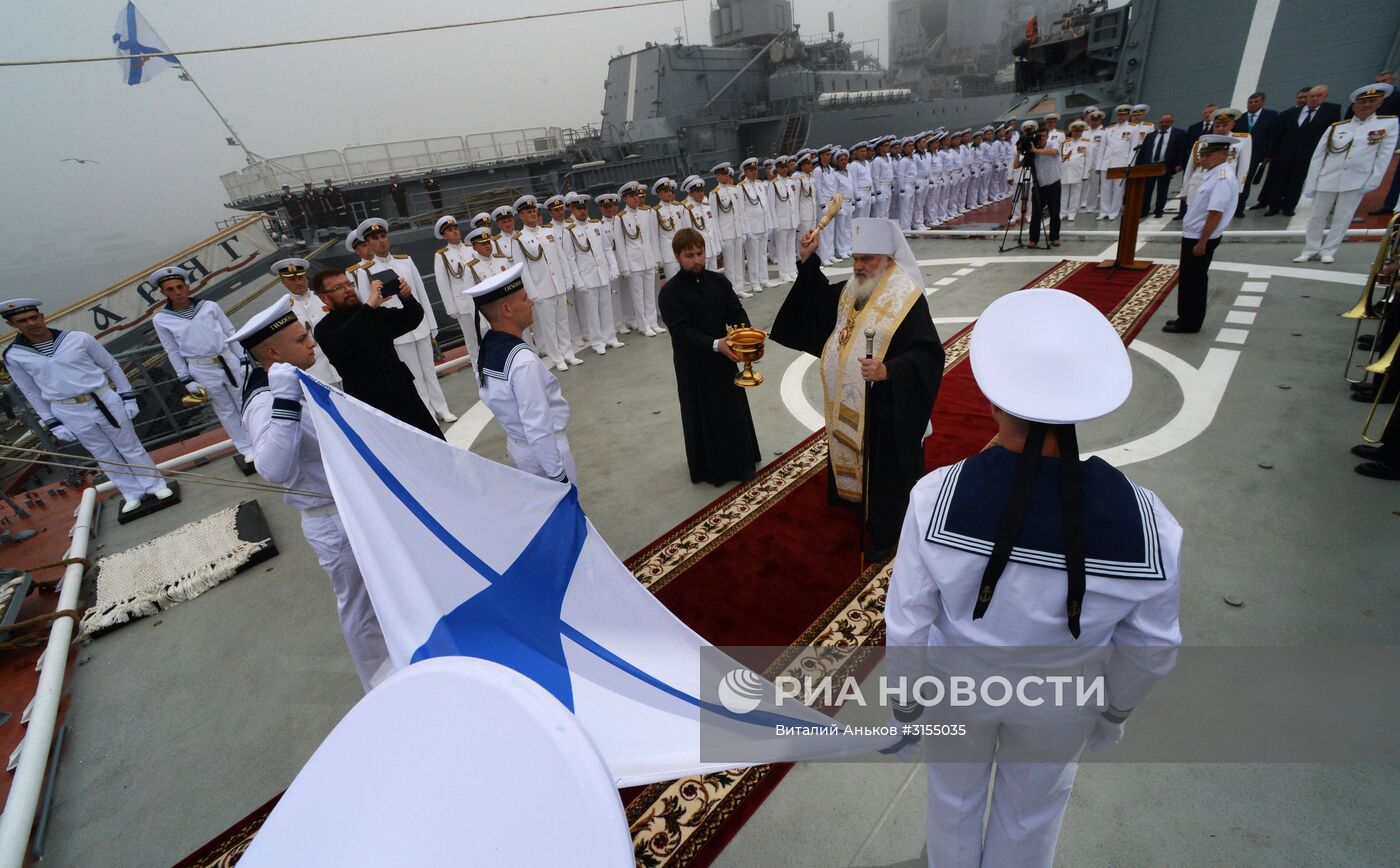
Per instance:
x=134, y=36
x=464, y=556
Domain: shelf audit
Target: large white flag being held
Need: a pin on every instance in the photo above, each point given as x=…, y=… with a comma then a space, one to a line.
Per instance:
x=464, y=556
x=134, y=37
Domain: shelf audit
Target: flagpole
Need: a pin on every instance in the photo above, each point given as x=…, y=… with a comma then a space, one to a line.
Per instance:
x=247, y=154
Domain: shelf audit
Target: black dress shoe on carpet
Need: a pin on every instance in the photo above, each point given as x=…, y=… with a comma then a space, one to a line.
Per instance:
x=1377, y=470
x=1370, y=453
x=1175, y=327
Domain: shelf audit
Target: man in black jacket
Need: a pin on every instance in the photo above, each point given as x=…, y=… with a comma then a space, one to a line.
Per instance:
x=1271, y=174
x=1292, y=152
x=1260, y=123
x=1165, y=145
x=358, y=338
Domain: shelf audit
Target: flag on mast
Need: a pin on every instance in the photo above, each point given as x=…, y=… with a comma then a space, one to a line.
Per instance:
x=133, y=37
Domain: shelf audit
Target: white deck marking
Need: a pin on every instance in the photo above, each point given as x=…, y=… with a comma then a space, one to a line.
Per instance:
x=1231, y=336
x=466, y=429
x=945, y=281
x=1240, y=317
x=793, y=397
x=962, y=272
x=1254, y=286
x=1248, y=300
x=1256, y=46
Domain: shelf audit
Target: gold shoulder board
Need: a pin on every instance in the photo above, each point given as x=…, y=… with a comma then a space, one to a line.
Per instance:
x=442, y=249
x=401, y=256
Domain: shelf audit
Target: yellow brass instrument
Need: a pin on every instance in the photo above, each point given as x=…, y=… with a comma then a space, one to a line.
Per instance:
x=1369, y=306
x=1385, y=366
x=194, y=400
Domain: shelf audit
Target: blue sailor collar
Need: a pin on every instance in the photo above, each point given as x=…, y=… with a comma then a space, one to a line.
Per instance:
x=498, y=349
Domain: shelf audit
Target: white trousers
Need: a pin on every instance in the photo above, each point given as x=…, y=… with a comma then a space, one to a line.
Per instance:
x=575, y=327
x=786, y=241
x=524, y=458
x=551, y=328
x=1069, y=200
x=469, y=333
x=108, y=444
x=985, y=193
x=227, y=399
x=970, y=198
x=841, y=240
x=418, y=355
x=326, y=536
x=595, y=315
x=906, y=207
x=623, y=318
x=881, y=206
x=1110, y=198
x=1342, y=206
x=863, y=204
x=641, y=289
x=756, y=261
x=826, y=242
x=916, y=217
x=1089, y=191
x=733, y=249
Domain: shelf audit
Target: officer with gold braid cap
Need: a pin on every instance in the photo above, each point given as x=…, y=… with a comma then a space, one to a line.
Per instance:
x=1027, y=557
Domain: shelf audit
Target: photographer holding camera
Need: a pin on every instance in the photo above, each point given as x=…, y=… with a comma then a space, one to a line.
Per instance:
x=1043, y=159
x=358, y=338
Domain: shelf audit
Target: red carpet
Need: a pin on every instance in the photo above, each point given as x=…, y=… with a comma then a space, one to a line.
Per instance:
x=772, y=564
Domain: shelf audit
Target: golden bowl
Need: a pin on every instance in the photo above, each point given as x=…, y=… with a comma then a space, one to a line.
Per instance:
x=747, y=344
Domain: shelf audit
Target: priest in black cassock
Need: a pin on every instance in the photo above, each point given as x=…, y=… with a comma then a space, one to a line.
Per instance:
x=876, y=446
x=697, y=305
x=358, y=338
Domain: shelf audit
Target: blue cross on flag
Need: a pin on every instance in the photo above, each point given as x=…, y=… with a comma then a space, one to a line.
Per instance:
x=464, y=556
x=135, y=37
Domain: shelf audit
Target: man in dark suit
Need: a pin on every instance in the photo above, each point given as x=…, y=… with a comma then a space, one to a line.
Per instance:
x=1259, y=122
x=1293, y=151
x=1194, y=132
x=1165, y=145
x=1282, y=122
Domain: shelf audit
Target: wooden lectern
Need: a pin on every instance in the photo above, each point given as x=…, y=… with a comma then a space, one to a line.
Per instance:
x=1136, y=179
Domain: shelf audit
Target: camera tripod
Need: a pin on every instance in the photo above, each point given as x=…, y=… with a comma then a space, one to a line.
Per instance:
x=1022, y=197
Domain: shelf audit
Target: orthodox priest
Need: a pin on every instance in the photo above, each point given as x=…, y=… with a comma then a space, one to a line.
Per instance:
x=698, y=305
x=881, y=363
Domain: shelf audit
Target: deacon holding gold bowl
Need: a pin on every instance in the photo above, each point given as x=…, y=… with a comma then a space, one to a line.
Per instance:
x=699, y=306
x=878, y=391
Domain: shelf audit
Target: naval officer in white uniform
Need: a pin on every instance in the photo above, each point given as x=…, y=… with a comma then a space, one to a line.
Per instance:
x=452, y=276
x=517, y=387
x=414, y=348
x=287, y=453
x=1350, y=161
x=194, y=334
x=1025, y=545
x=308, y=308
x=69, y=380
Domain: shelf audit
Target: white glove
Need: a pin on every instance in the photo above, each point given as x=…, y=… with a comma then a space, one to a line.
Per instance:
x=192, y=387
x=285, y=381
x=132, y=408
x=1105, y=735
x=432, y=334
x=62, y=434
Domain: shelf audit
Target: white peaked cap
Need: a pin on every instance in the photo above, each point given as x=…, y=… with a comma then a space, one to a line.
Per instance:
x=1374, y=89
x=1045, y=355
x=692, y=182
x=503, y=211
x=372, y=223
x=290, y=267
x=166, y=272
x=480, y=233
x=882, y=236
x=351, y=240
x=443, y=222
x=265, y=323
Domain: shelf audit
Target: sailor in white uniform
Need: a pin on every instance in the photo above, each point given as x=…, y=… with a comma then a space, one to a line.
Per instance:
x=841, y=178
x=503, y=242
x=670, y=216
x=636, y=257
x=1350, y=161
x=700, y=217
x=287, y=453
x=414, y=348
x=825, y=176
x=881, y=178
x=81, y=393
x=308, y=308
x=807, y=212
x=609, y=205
x=547, y=280
x=1115, y=152
x=729, y=230
x=586, y=248
x=756, y=220
x=194, y=334
x=450, y=275
x=1222, y=124
x=859, y=170
x=1086, y=565
x=782, y=191
x=517, y=387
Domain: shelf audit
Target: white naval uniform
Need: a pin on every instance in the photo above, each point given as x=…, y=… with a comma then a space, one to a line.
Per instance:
x=287, y=453
x=860, y=178
x=1074, y=169
x=826, y=191
x=807, y=212
x=906, y=175
x=310, y=310
x=195, y=340
x=670, y=217
x=783, y=197
x=452, y=276
x=700, y=217
x=547, y=282
x=841, y=241
x=414, y=348
x=586, y=249
x=1350, y=161
x=59, y=382
x=753, y=214
x=1117, y=152
x=1237, y=161
x=621, y=304
x=1132, y=599
x=636, y=259
x=724, y=204
x=524, y=397
x=1089, y=193
x=934, y=193
x=882, y=180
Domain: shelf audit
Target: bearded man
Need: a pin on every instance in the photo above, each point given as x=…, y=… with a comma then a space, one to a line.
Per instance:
x=874, y=435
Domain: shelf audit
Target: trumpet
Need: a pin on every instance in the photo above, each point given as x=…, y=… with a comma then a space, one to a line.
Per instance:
x=1369, y=307
x=194, y=400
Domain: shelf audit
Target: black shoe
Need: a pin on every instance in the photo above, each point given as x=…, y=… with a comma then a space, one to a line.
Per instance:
x=1365, y=342
x=1176, y=218
x=1158, y=214
x=1371, y=453
x=1288, y=213
x=1175, y=327
x=1271, y=212
x=1377, y=470
x=1258, y=206
x=878, y=555
x=1382, y=212
x=1239, y=214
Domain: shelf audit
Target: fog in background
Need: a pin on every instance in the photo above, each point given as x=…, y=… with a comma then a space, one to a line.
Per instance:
x=72, y=229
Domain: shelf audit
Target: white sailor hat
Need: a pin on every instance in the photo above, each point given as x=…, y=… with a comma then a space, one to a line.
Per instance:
x=607, y=198
x=1078, y=125
x=662, y=182
x=692, y=182
x=722, y=169
x=1046, y=355
x=751, y=161
x=1095, y=112
x=351, y=240
x=166, y=272
x=480, y=233
x=1053, y=116
x=769, y=163
x=498, y=286
x=290, y=267
x=18, y=305
x=1231, y=113
x=858, y=145
x=371, y=225
x=1141, y=107
x=575, y=198
x=502, y=211
x=783, y=160
x=1210, y=141
x=804, y=156
x=1122, y=107
x=481, y=219
x=1373, y=90
x=553, y=201
x=839, y=153
x=824, y=149
x=1029, y=124
x=526, y=201
x=265, y=323
x=443, y=222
